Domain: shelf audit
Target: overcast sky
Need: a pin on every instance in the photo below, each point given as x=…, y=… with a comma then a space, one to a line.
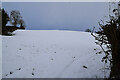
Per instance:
x=59, y=15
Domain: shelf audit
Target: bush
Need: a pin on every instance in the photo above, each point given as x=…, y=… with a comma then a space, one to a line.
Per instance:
x=88, y=30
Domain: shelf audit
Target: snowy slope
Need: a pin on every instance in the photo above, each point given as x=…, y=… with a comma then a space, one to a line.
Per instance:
x=51, y=54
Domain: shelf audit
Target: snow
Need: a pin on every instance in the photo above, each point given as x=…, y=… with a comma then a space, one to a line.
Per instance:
x=9, y=24
x=51, y=54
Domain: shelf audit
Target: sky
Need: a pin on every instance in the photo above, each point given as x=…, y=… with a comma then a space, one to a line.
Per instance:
x=59, y=15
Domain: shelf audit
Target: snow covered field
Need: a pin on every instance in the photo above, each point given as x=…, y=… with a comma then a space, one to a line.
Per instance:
x=51, y=54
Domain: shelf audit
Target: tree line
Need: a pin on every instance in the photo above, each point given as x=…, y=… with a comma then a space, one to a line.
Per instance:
x=15, y=19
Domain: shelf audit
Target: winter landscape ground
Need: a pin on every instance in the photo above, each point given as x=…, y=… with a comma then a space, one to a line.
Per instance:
x=51, y=54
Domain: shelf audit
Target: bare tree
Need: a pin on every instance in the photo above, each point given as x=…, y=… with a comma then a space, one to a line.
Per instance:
x=22, y=24
x=15, y=17
x=108, y=38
